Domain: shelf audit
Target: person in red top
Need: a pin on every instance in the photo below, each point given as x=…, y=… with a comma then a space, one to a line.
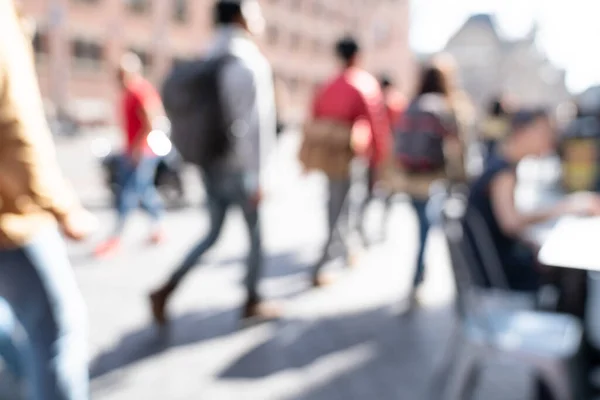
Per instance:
x=140, y=103
x=353, y=96
x=395, y=104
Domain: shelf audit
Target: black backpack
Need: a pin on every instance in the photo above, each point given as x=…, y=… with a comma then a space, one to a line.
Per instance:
x=420, y=133
x=191, y=98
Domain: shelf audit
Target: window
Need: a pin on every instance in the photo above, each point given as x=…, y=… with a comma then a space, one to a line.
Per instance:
x=40, y=43
x=382, y=33
x=294, y=41
x=138, y=6
x=272, y=34
x=87, y=53
x=180, y=10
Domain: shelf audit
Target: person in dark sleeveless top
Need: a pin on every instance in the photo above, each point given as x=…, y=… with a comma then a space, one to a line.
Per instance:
x=492, y=196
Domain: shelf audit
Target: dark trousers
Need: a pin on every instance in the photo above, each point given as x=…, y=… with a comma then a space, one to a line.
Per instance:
x=224, y=190
x=137, y=188
x=338, y=224
x=420, y=206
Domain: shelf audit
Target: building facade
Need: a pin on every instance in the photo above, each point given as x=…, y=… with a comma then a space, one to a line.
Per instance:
x=78, y=43
x=490, y=65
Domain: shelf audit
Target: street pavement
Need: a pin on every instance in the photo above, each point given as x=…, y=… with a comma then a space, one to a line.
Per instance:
x=350, y=341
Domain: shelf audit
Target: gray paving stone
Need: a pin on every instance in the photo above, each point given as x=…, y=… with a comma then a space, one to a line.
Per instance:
x=346, y=342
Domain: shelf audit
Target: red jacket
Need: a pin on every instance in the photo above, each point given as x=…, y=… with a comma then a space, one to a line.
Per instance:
x=355, y=96
x=395, y=104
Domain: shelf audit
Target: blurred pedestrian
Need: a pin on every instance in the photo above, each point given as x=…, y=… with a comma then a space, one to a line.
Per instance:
x=348, y=118
x=495, y=126
x=140, y=105
x=427, y=149
x=395, y=104
x=234, y=176
x=36, y=278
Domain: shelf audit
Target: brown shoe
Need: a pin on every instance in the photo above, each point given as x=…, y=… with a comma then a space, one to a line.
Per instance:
x=158, y=302
x=263, y=310
x=322, y=280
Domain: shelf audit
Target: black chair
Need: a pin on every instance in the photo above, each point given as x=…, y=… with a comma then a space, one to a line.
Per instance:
x=548, y=342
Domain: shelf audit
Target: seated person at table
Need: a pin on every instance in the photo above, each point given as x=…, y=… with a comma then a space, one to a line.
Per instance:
x=492, y=195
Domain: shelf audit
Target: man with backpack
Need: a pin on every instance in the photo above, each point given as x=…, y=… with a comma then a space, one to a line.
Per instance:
x=348, y=119
x=223, y=119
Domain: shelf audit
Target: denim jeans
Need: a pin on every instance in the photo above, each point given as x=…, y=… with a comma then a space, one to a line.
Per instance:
x=225, y=189
x=9, y=351
x=137, y=188
x=338, y=215
x=420, y=206
x=39, y=284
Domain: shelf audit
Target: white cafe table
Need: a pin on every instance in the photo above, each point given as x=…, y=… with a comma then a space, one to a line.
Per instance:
x=573, y=242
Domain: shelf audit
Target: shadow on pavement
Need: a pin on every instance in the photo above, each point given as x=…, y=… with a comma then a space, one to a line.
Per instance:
x=149, y=341
x=107, y=205
x=276, y=265
x=397, y=356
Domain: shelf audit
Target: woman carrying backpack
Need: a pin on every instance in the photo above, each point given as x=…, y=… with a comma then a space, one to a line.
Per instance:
x=427, y=149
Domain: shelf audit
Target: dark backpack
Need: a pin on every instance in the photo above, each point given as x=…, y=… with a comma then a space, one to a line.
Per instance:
x=420, y=133
x=192, y=102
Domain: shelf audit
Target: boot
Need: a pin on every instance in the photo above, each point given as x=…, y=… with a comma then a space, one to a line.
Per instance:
x=158, y=302
x=260, y=309
x=324, y=279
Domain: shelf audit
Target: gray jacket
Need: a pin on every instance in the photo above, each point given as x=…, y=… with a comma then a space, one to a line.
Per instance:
x=248, y=96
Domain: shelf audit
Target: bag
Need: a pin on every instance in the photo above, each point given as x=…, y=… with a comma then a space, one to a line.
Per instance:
x=327, y=147
x=495, y=129
x=420, y=134
x=192, y=102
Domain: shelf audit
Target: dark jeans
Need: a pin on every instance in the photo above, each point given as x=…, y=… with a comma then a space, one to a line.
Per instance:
x=338, y=224
x=224, y=190
x=490, y=148
x=420, y=206
x=38, y=283
x=137, y=188
x=9, y=350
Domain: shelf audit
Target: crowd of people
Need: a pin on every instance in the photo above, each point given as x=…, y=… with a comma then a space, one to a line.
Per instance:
x=407, y=145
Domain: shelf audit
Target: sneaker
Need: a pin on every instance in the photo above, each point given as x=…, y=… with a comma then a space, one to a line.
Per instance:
x=108, y=248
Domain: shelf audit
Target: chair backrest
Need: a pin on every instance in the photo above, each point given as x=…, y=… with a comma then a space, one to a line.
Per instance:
x=470, y=285
x=461, y=258
x=483, y=245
